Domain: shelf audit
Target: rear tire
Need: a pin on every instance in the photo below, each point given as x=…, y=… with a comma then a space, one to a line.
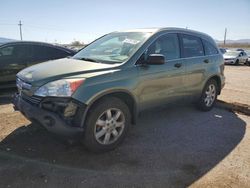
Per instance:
x=247, y=62
x=208, y=96
x=107, y=124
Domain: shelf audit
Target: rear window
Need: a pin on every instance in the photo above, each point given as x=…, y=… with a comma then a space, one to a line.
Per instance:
x=209, y=48
x=191, y=46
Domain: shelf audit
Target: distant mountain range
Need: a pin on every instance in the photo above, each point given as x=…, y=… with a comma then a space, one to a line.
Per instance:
x=4, y=40
x=240, y=41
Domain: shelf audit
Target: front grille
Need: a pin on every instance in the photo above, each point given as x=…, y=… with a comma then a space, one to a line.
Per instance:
x=24, y=88
x=31, y=99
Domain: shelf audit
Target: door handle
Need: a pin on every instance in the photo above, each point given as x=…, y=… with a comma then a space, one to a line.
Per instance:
x=206, y=61
x=178, y=65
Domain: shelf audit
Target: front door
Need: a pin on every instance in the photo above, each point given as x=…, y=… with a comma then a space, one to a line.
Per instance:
x=13, y=58
x=159, y=84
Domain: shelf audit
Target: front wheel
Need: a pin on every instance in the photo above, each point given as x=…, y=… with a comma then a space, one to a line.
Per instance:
x=107, y=124
x=236, y=62
x=208, y=96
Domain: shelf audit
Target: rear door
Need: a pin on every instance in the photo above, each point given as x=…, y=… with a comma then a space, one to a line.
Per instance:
x=41, y=54
x=196, y=63
x=159, y=84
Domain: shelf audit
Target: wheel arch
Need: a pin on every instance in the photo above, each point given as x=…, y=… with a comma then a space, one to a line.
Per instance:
x=124, y=95
x=218, y=81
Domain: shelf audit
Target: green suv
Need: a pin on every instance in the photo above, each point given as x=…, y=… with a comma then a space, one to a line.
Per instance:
x=97, y=94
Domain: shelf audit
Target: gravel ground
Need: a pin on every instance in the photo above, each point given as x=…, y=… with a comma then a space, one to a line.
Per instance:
x=172, y=146
x=169, y=147
x=237, y=88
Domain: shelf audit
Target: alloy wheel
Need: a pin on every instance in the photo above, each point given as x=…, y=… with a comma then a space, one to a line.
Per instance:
x=210, y=95
x=109, y=126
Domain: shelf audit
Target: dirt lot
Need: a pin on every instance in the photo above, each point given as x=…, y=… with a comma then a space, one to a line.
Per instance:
x=237, y=88
x=173, y=146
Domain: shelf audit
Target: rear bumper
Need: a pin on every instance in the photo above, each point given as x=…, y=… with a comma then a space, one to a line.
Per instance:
x=50, y=120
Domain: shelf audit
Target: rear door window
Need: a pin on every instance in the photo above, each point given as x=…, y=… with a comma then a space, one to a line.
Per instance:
x=40, y=53
x=23, y=51
x=43, y=53
x=209, y=48
x=191, y=46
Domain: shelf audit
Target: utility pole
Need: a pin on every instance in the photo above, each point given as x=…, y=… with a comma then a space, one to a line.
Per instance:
x=20, y=29
x=225, y=36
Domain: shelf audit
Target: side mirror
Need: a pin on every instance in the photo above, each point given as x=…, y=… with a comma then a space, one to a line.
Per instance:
x=156, y=59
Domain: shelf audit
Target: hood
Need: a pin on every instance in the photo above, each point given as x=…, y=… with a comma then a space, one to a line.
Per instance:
x=61, y=68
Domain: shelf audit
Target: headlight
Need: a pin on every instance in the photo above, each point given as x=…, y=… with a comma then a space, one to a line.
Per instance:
x=59, y=88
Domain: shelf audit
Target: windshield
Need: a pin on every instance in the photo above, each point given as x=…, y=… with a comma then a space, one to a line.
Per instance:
x=232, y=53
x=113, y=48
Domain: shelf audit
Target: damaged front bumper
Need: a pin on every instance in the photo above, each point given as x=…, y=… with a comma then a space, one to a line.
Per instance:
x=58, y=115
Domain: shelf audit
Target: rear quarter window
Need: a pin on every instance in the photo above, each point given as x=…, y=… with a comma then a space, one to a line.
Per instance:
x=191, y=46
x=209, y=48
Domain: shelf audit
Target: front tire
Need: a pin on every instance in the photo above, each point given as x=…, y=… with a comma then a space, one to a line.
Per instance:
x=107, y=125
x=208, y=96
x=236, y=62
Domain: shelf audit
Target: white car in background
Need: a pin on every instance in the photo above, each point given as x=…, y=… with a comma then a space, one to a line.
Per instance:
x=248, y=60
x=235, y=57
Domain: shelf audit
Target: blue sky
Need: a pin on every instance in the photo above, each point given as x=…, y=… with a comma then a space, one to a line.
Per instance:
x=65, y=21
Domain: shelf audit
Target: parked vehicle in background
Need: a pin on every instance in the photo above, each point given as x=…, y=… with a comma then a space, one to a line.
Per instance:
x=98, y=92
x=235, y=57
x=248, y=60
x=240, y=49
x=223, y=50
x=15, y=56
